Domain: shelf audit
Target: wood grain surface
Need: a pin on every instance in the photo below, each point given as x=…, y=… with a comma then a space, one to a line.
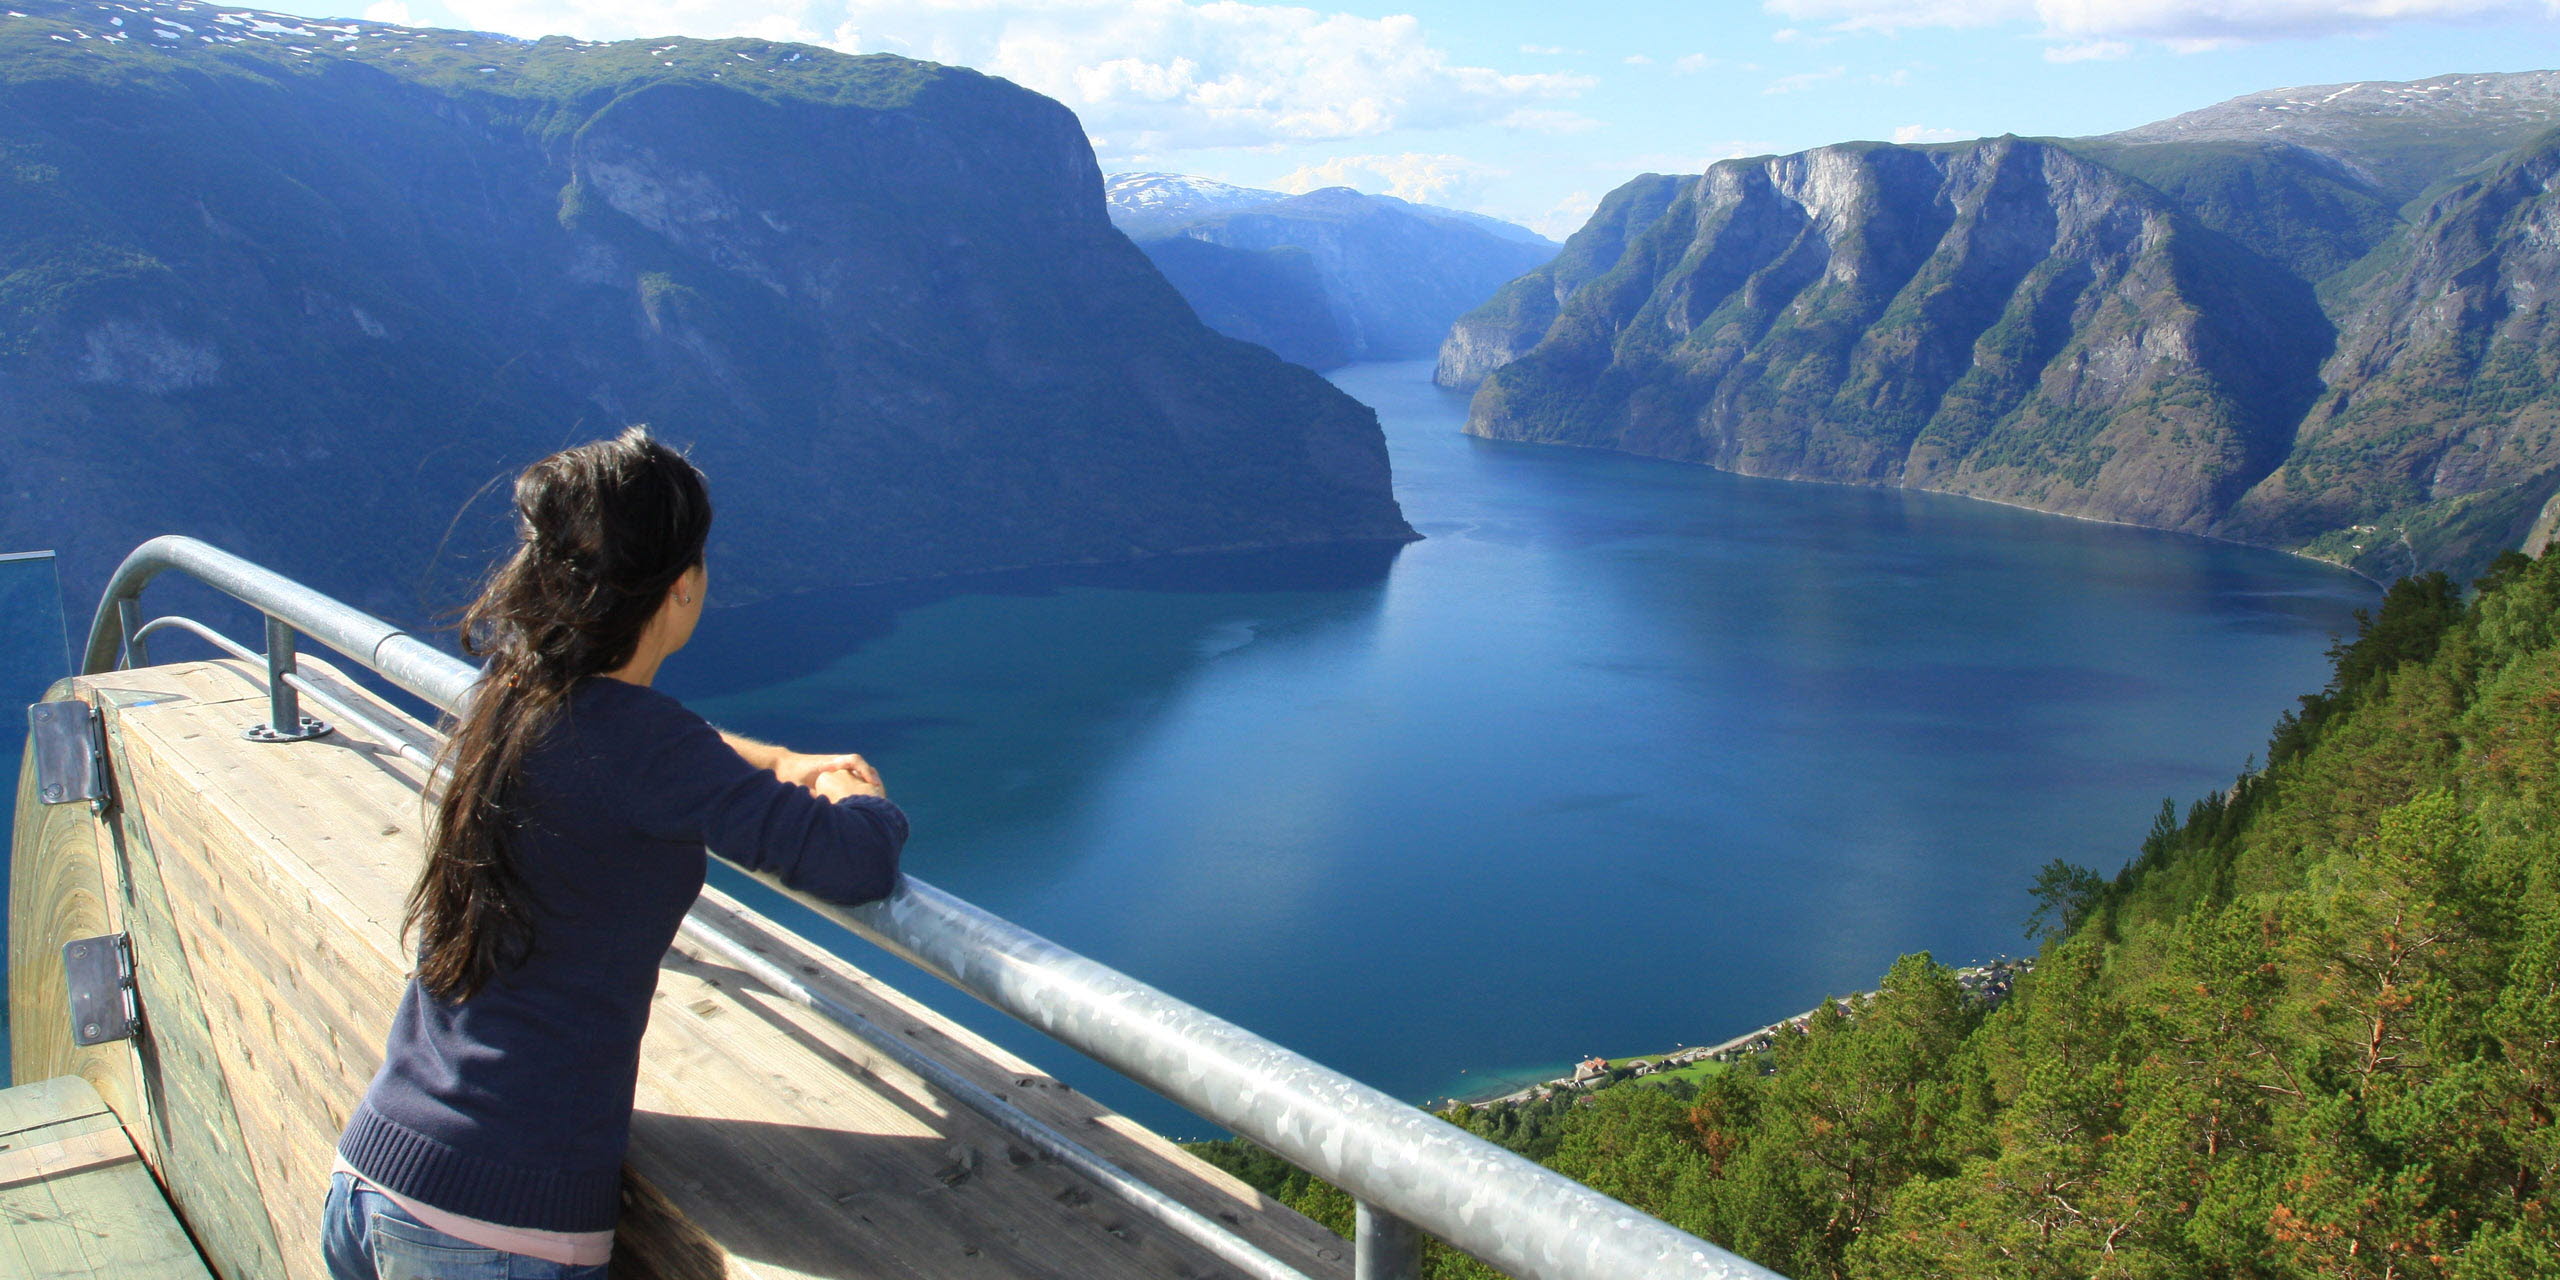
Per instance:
x=76, y=1201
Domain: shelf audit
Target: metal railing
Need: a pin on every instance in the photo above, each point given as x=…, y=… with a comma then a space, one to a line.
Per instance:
x=1405, y=1168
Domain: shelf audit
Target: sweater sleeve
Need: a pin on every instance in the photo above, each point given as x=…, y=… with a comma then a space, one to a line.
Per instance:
x=689, y=786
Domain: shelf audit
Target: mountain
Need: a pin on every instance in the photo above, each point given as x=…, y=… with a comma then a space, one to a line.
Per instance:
x=1392, y=275
x=1516, y=318
x=308, y=289
x=1274, y=297
x=1147, y=205
x=2309, y=319
x=2398, y=137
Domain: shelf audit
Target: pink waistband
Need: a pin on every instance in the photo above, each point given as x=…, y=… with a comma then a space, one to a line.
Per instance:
x=568, y=1248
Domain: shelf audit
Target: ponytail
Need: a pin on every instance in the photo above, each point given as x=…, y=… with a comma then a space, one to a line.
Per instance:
x=604, y=530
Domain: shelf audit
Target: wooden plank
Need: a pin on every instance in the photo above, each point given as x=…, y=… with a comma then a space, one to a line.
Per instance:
x=295, y=998
x=58, y=890
x=183, y=1109
x=76, y=1200
x=46, y=1102
x=95, y=1147
x=1269, y=1225
x=267, y=882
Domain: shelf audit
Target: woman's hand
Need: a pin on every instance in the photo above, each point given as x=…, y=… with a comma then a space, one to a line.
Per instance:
x=834, y=777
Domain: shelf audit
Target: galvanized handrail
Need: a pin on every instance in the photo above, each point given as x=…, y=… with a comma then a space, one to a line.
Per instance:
x=1402, y=1165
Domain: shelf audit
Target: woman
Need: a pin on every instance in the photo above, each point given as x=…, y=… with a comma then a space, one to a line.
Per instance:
x=566, y=845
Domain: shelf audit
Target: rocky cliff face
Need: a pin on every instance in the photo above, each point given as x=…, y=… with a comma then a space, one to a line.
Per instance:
x=305, y=289
x=2439, y=425
x=1517, y=316
x=2006, y=320
x=1393, y=275
x=2242, y=338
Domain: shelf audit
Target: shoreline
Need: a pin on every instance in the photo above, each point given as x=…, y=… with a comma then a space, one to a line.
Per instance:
x=1989, y=983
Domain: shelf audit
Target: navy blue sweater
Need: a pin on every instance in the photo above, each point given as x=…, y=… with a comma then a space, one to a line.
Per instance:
x=514, y=1107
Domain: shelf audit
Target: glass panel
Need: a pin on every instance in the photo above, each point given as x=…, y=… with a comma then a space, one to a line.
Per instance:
x=35, y=651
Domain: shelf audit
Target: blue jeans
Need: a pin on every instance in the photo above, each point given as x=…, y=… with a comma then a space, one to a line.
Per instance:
x=365, y=1236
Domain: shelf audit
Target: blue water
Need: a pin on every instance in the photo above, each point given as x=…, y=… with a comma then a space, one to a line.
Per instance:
x=1626, y=754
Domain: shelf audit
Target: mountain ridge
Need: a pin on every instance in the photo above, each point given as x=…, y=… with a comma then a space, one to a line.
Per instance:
x=2201, y=334
x=1322, y=277
x=462, y=251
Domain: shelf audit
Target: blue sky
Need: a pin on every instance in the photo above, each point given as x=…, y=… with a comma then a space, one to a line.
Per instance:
x=1532, y=111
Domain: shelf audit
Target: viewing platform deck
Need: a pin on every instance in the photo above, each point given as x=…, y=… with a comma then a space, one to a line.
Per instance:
x=261, y=886
x=75, y=1199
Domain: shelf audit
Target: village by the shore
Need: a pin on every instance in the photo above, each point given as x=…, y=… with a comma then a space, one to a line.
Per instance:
x=1987, y=984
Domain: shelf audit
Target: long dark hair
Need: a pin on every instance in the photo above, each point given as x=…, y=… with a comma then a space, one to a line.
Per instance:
x=603, y=532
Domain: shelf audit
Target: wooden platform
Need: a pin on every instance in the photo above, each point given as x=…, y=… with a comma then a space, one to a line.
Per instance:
x=261, y=886
x=76, y=1202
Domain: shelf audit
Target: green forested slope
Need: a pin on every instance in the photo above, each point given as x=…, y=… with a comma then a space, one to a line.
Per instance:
x=2311, y=1030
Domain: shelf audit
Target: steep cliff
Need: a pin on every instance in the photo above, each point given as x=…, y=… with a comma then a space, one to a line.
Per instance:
x=2440, y=425
x=2226, y=324
x=1393, y=274
x=1273, y=298
x=306, y=288
x=2006, y=320
x=1516, y=317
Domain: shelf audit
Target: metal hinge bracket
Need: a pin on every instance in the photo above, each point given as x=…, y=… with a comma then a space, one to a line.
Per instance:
x=99, y=972
x=70, y=745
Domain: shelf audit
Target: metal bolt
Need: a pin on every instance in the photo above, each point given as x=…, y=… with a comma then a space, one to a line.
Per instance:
x=79, y=948
x=89, y=1029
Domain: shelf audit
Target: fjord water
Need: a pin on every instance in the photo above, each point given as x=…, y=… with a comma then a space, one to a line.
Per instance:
x=1626, y=754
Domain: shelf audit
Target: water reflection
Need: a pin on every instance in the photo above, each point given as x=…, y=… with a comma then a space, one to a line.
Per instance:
x=1000, y=703
x=1625, y=754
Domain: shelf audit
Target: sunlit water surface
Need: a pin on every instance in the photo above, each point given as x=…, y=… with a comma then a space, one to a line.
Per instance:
x=1625, y=754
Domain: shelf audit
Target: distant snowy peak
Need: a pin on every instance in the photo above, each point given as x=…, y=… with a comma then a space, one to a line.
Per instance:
x=187, y=24
x=1155, y=203
x=2397, y=136
x=2523, y=99
x=1146, y=205
x=1164, y=190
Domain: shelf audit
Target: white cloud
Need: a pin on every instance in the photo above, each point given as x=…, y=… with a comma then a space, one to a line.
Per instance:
x=1896, y=15
x=1804, y=80
x=1691, y=64
x=1552, y=50
x=1151, y=75
x=2183, y=24
x=1898, y=78
x=1675, y=162
x=2263, y=19
x=2089, y=51
x=1566, y=217
x=391, y=11
x=1911, y=134
x=1543, y=120
x=1417, y=176
x=1786, y=35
